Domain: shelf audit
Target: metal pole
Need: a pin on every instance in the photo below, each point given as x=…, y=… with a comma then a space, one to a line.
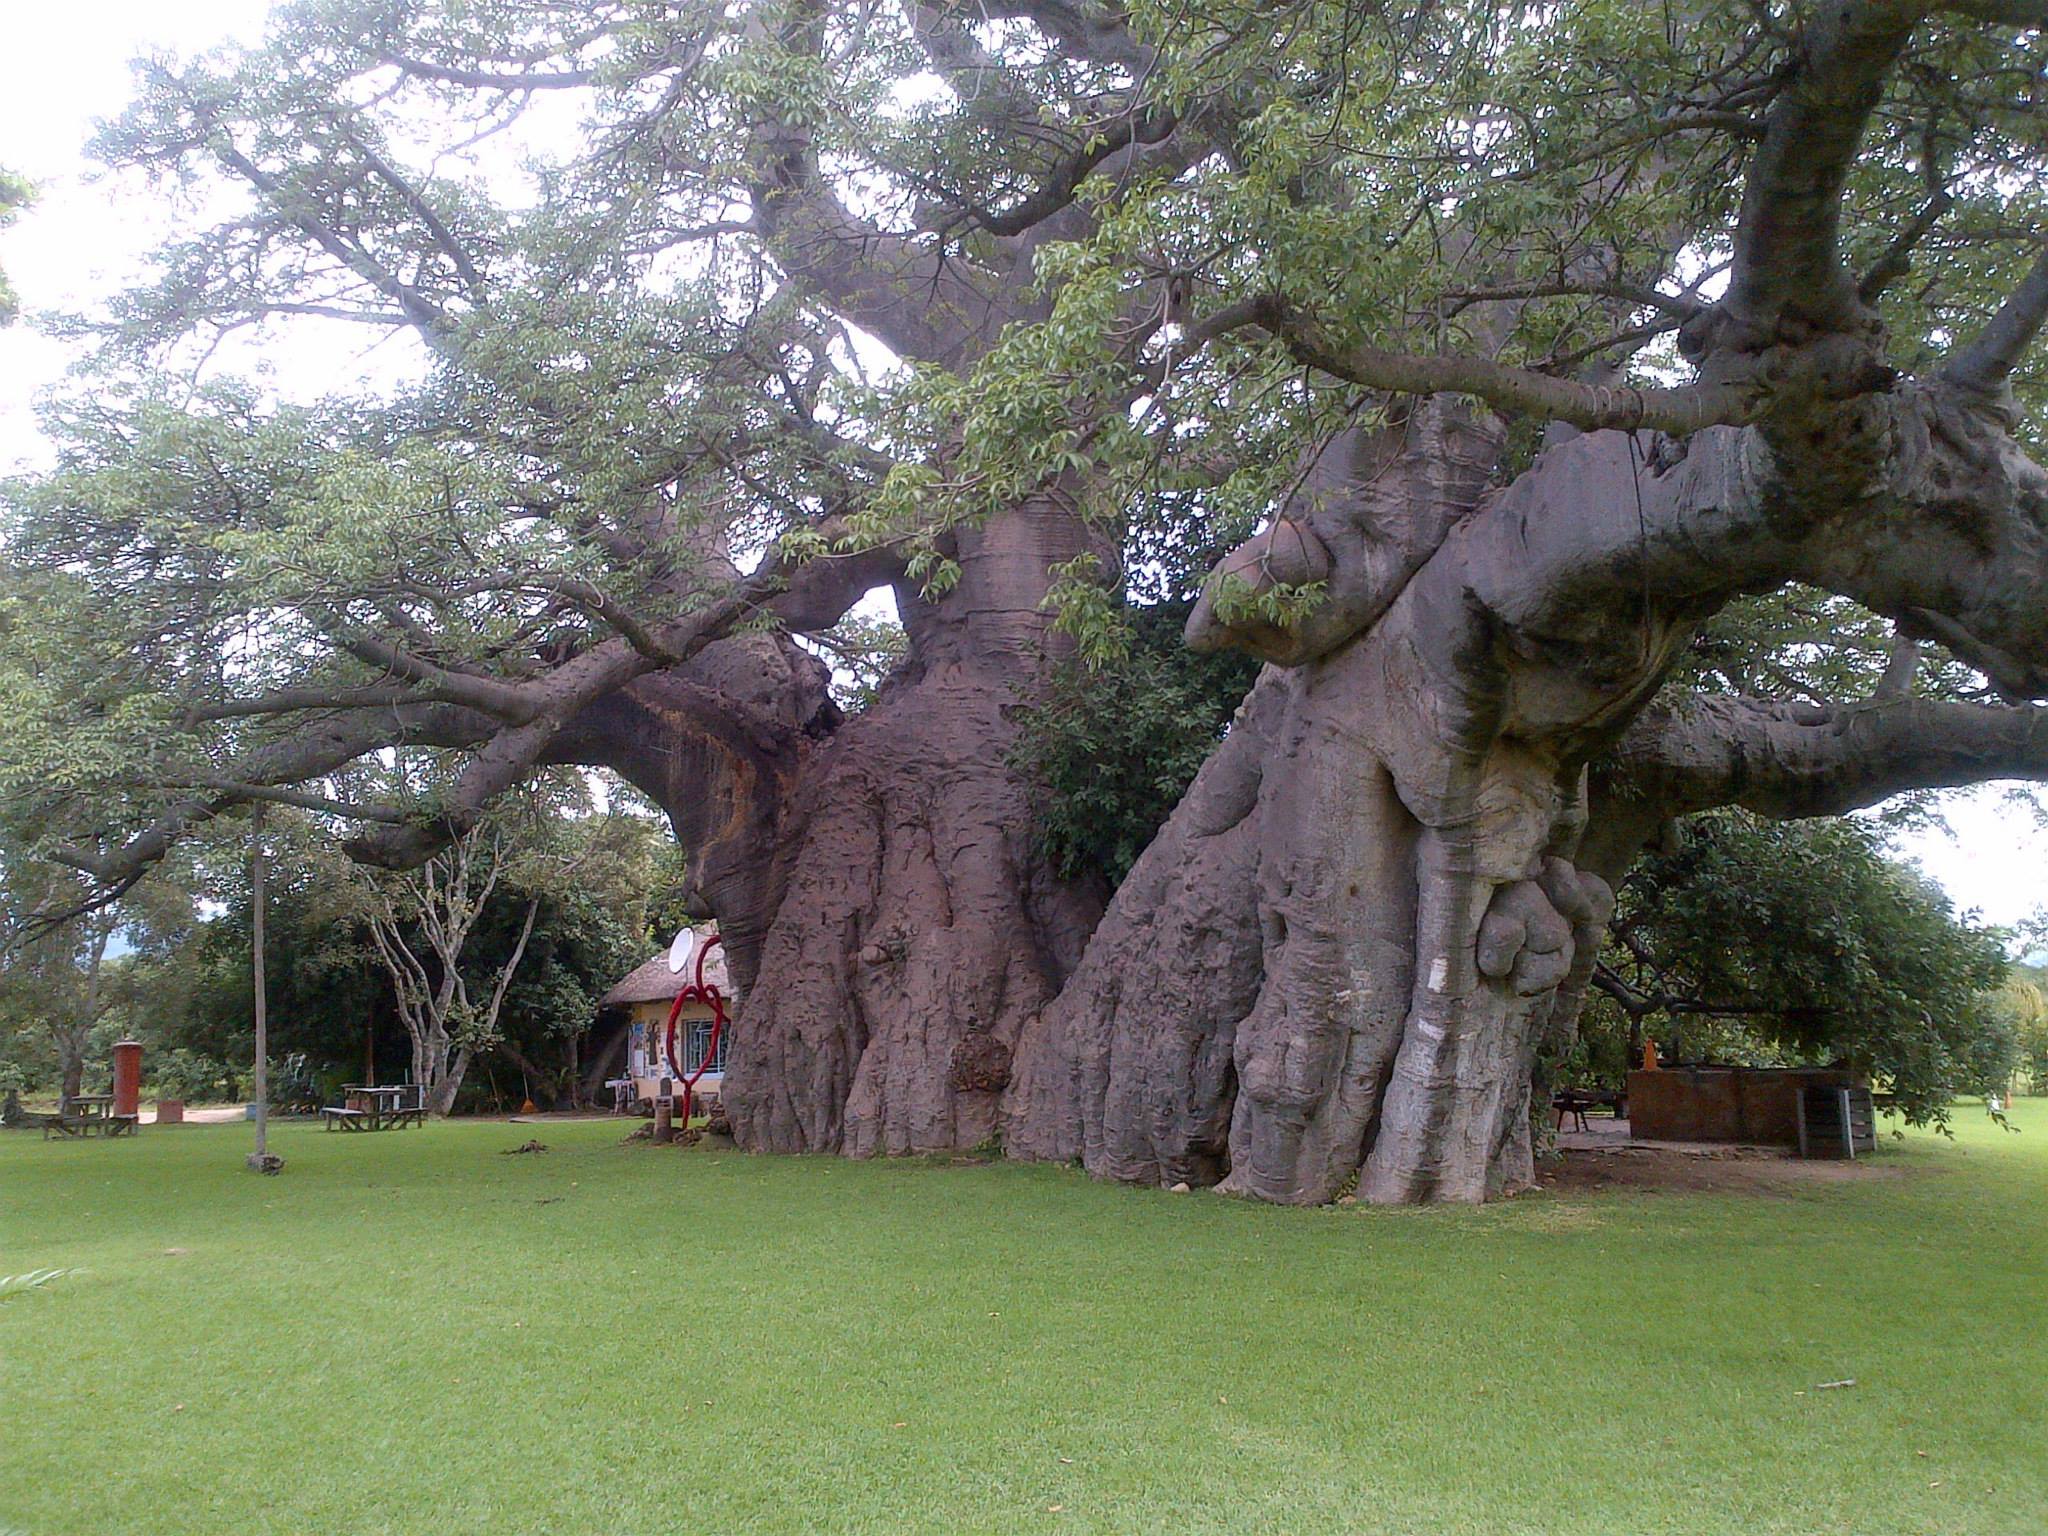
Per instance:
x=262, y=1075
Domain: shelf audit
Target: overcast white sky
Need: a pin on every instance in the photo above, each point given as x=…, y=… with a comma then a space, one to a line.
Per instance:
x=67, y=65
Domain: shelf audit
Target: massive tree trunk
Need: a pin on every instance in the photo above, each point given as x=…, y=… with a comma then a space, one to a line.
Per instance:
x=917, y=928
x=1351, y=935
x=888, y=921
x=1336, y=961
x=1337, y=957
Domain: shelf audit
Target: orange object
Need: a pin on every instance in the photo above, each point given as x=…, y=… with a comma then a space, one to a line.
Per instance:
x=127, y=1077
x=528, y=1108
x=1649, y=1055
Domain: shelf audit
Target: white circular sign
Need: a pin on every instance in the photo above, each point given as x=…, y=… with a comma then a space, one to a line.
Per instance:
x=679, y=952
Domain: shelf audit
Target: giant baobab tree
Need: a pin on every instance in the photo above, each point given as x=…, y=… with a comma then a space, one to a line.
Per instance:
x=1487, y=351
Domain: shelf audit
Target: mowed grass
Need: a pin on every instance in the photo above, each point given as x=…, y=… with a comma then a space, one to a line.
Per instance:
x=410, y=1332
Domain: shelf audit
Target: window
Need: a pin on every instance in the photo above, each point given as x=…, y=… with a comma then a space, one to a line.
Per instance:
x=698, y=1043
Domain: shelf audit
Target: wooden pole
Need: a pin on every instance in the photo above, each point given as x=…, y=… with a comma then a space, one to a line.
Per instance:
x=261, y=1084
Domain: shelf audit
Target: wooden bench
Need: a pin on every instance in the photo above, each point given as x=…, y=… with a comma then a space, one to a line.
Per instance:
x=67, y=1125
x=1576, y=1101
x=347, y=1119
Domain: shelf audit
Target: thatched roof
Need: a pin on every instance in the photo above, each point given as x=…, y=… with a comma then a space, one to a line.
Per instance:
x=654, y=982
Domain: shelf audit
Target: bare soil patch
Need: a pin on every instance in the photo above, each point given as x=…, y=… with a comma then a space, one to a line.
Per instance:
x=1722, y=1170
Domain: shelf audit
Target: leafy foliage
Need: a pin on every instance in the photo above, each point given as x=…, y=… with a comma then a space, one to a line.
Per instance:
x=15, y=194
x=197, y=1078
x=331, y=999
x=718, y=305
x=70, y=987
x=2023, y=1002
x=1111, y=749
x=742, y=311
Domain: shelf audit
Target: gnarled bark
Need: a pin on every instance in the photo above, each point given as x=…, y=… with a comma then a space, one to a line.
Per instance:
x=1131, y=1070
x=1326, y=963
x=1420, y=916
x=917, y=928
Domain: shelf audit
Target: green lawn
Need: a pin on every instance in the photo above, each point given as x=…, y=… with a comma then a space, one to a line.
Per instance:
x=412, y=1333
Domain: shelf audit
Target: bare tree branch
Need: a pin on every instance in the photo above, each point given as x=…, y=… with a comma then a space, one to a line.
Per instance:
x=1987, y=360
x=1521, y=391
x=1897, y=258
x=493, y=80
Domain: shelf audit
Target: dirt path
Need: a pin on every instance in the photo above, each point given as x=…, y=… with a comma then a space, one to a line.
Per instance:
x=1604, y=1155
x=206, y=1114
x=1702, y=1170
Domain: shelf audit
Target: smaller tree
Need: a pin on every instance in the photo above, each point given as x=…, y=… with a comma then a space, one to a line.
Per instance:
x=426, y=925
x=2023, y=1002
x=62, y=977
x=421, y=922
x=1801, y=941
x=57, y=979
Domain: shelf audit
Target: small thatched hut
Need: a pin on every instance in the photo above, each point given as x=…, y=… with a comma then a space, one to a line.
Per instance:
x=640, y=1006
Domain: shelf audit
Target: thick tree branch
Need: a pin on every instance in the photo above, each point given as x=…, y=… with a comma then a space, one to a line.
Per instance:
x=1985, y=362
x=1099, y=33
x=508, y=701
x=1902, y=665
x=1796, y=760
x=1787, y=238
x=1057, y=191
x=495, y=80
x=800, y=593
x=417, y=205
x=919, y=303
x=305, y=800
x=311, y=752
x=288, y=700
x=1897, y=258
x=425, y=316
x=1639, y=295
x=1637, y=1003
x=1516, y=391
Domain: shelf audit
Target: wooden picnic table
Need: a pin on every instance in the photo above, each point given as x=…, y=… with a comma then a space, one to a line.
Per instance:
x=88, y=1114
x=375, y=1107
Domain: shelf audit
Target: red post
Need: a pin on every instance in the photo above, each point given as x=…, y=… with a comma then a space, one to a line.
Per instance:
x=127, y=1077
